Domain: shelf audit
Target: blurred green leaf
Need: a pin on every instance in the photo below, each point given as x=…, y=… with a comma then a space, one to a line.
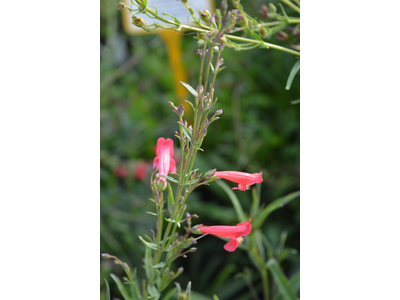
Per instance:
x=160, y=265
x=121, y=287
x=186, y=131
x=170, y=294
x=188, y=290
x=171, y=202
x=293, y=73
x=281, y=281
x=153, y=292
x=150, y=245
x=234, y=199
x=107, y=290
x=190, y=89
x=273, y=206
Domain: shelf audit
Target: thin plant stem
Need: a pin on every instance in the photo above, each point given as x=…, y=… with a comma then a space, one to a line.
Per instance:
x=291, y=5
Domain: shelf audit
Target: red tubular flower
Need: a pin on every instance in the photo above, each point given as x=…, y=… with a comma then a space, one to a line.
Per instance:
x=234, y=233
x=244, y=179
x=141, y=170
x=164, y=160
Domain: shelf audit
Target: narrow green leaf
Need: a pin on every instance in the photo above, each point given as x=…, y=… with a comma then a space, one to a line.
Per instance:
x=171, y=202
x=170, y=294
x=191, y=104
x=148, y=263
x=169, y=178
x=188, y=289
x=178, y=289
x=121, y=287
x=151, y=213
x=281, y=281
x=186, y=131
x=234, y=200
x=153, y=292
x=268, y=246
x=215, y=297
x=150, y=245
x=273, y=206
x=190, y=89
x=160, y=265
x=107, y=290
x=293, y=72
x=295, y=101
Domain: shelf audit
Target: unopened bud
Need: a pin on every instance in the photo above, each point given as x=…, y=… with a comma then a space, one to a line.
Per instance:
x=184, y=1
x=263, y=32
x=218, y=112
x=205, y=16
x=193, y=249
x=200, y=43
x=196, y=230
x=209, y=173
x=193, y=241
x=263, y=11
x=272, y=8
x=236, y=3
x=195, y=216
x=138, y=21
x=281, y=35
x=191, y=10
x=181, y=110
x=105, y=255
x=215, y=49
x=180, y=270
x=121, y=5
x=172, y=105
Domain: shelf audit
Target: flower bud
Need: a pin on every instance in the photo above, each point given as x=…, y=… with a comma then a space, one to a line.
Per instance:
x=263, y=32
x=138, y=21
x=200, y=43
x=263, y=11
x=193, y=249
x=218, y=112
x=191, y=10
x=121, y=5
x=181, y=110
x=105, y=255
x=281, y=35
x=272, y=8
x=215, y=49
x=195, y=216
x=196, y=230
x=185, y=1
x=209, y=173
x=205, y=16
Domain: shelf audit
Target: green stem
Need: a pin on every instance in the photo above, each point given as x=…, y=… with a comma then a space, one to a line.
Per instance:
x=291, y=5
x=265, y=284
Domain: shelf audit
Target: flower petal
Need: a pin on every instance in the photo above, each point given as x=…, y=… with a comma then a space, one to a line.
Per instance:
x=172, y=165
x=231, y=245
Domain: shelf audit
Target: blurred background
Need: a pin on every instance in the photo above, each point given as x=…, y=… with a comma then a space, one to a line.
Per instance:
x=257, y=132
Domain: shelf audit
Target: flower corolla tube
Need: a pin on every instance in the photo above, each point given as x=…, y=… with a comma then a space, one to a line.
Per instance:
x=243, y=179
x=164, y=160
x=234, y=233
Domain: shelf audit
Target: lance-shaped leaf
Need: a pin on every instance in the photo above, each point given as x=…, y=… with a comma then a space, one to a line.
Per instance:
x=186, y=131
x=281, y=281
x=273, y=206
x=121, y=287
x=171, y=202
x=293, y=73
x=234, y=200
x=150, y=245
x=160, y=265
x=107, y=290
x=190, y=89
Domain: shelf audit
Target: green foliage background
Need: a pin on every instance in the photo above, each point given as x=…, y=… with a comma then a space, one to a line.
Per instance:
x=258, y=131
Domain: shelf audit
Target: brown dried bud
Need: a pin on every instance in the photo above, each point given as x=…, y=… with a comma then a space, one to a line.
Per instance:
x=281, y=35
x=264, y=11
